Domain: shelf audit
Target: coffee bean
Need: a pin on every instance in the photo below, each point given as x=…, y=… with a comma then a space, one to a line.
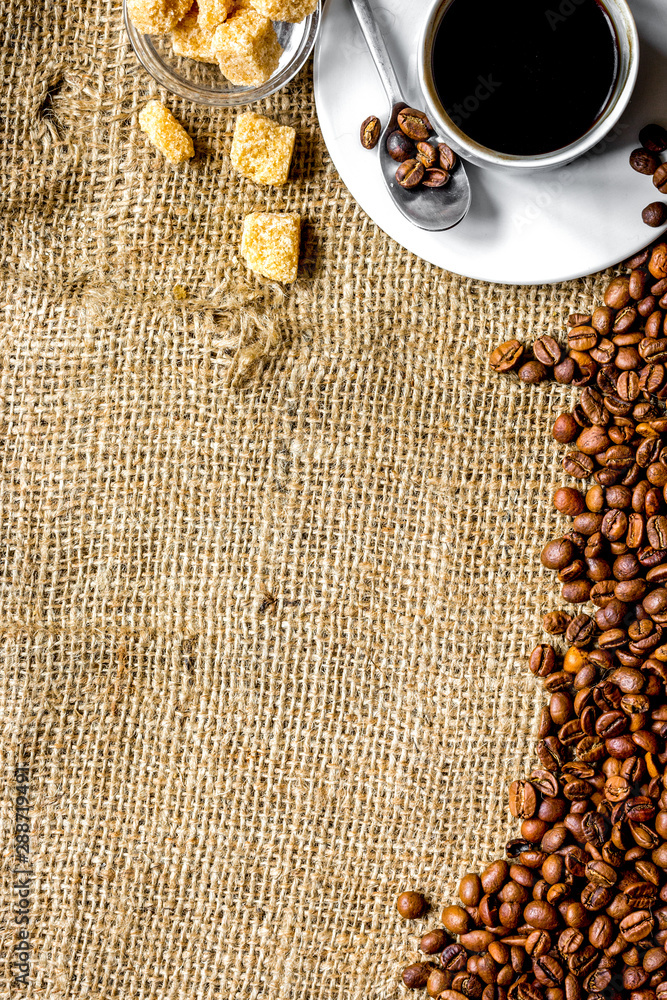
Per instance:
x=660, y=178
x=522, y=799
x=585, y=367
x=602, y=319
x=604, y=353
x=577, y=592
x=543, y=660
x=578, y=319
x=434, y=942
x=427, y=155
x=593, y=440
x=410, y=174
x=472, y=986
x=416, y=976
x=647, y=305
x=488, y=910
x=654, y=959
x=617, y=295
x=619, y=457
x=624, y=326
x=628, y=386
x=644, y=161
x=411, y=905
x=510, y=914
x=614, y=525
x=565, y=428
x=547, y=351
x=399, y=147
x=541, y=915
x=505, y=357
x=532, y=372
x=638, y=283
x=655, y=214
x=593, y=406
x=580, y=631
x=455, y=919
x=656, y=530
x=477, y=940
x=657, y=264
x=582, y=338
x=600, y=873
x=654, y=137
x=414, y=124
x=438, y=981
x=447, y=157
x=557, y=554
x=653, y=350
x=565, y=371
x=636, y=926
x=578, y=465
x=470, y=889
x=494, y=876
x=569, y=501
x=653, y=327
x=435, y=178
x=453, y=958
x=627, y=358
x=538, y=943
x=371, y=130
x=548, y=970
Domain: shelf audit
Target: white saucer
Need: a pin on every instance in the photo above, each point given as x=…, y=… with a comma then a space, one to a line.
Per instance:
x=543, y=228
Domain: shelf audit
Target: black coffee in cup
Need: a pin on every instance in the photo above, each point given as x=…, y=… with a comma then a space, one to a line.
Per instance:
x=525, y=77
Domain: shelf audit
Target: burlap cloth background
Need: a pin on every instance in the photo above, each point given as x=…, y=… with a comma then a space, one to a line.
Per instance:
x=269, y=567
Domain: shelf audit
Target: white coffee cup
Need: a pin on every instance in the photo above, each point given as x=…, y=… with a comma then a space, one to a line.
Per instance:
x=628, y=50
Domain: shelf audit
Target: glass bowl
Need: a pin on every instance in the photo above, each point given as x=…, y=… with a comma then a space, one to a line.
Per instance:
x=203, y=83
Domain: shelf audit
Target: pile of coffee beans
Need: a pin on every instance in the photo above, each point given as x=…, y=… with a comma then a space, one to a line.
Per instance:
x=421, y=163
x=646, y=160
x=577, y=910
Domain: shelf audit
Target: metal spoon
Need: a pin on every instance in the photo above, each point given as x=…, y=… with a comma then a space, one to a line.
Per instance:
x=434, y=209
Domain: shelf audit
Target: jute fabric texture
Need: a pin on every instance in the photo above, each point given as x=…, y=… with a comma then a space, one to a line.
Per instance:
x=270, y=556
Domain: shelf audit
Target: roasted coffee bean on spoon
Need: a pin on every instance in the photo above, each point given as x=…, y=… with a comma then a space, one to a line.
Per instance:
x=435, y=178
x=414, y=124
x=427, y=155
x=410, y=174
x=447, y=157
x=399, y=147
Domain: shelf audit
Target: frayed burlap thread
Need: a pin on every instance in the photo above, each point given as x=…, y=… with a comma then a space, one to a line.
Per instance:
x=269, y=570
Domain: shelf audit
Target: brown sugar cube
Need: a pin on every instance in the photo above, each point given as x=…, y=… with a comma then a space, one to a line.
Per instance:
x=285, y=10
x=214, y=12
x=165, y=132
x=270, y=244
x=247, y=48
x=190, y=39
x=157, y=17
x=262, y=149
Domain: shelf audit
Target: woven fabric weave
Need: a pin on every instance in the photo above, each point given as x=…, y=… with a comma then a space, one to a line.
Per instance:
x=269, y=556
